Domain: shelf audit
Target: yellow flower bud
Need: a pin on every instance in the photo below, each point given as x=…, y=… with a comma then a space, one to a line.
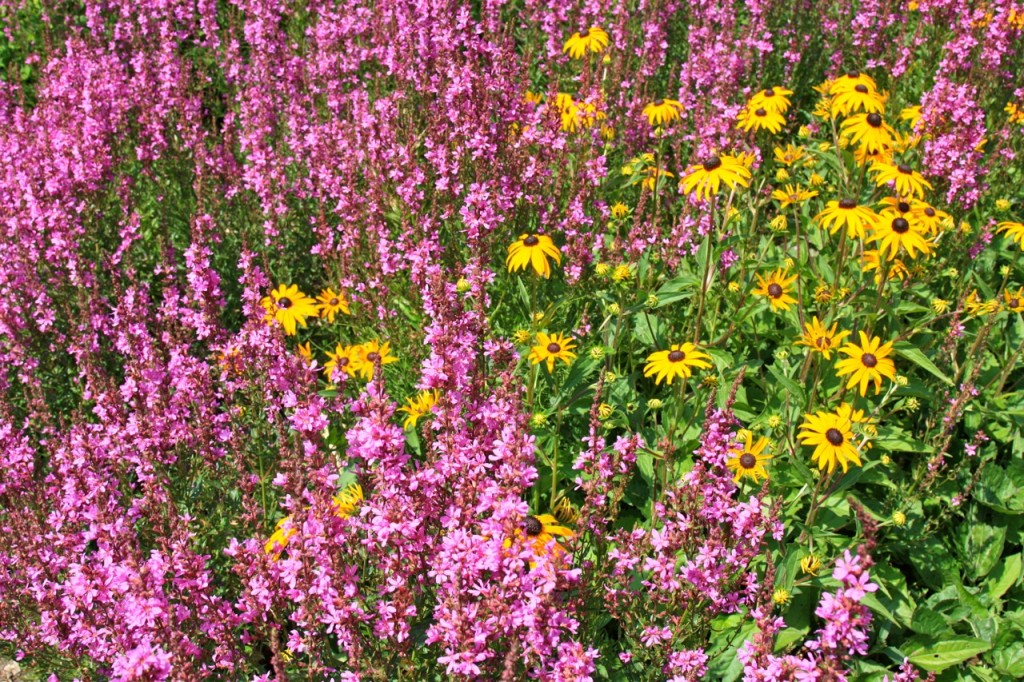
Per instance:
x=538, y=420
x=780, y=596
x=596, y=353
x=613, y=309
x=462, y=286
x=1002, y=205
x=899, y=519
x=654, y=404
x=602, y=269
x=605, y=411
x=781, y=175
x=810, y=564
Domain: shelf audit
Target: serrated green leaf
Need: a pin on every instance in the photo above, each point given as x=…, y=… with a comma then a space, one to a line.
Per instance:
x=914, y=354
x=949, y=652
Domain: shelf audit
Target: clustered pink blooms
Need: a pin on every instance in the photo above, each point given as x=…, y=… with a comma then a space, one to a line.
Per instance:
x=843, y=635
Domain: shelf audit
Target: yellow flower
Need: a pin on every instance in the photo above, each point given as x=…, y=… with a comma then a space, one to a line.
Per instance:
x=675, y=362
x=619, y=210
x=365, y=355
x=781, y=175
x=832, y=438
x=345, y=504
x=772, y=99
x=819, y=339
x=849, y=81
x=792, y=194
x=870, y=131
x=778, y=223
x=899, y=519
x=867, y=363
x=551, y=347
x=893, y=232
x=306, y=352
x=348, y=500
x=789, y=155
x=760, y=119
x=662, y=111
x=705, y=179
x=907, y=181
x=749, y=461
x=1014, y=231
x=605, y=411
x=541, y=531
x=856, y=416
x=564, y=511
x=522, y=336
x=576, y=115
x=857, y=219
x=939, y=305
x=860, y=97
x=535, y=250
x=418, y=406
x=930, y=218
x=911, y=115
x=289, y=307
x=780, y=596
x=652, y=174
x=331, y=304
x=343, y=359
x=592, y=39
x=810, y=564
x=975, y=306
x=622, y=273
x=1002, y=205
x=872, y=261
x=1014, y=300
x=776, y=288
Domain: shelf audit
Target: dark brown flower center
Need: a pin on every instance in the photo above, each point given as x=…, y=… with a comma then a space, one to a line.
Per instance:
x=1014, y=302
x=532, y=240
x=284, y=303
x=747, y=460
x=900, y=225
x=905, y=169
x=342, y=362
x=834, y=436
x=774, y=290
x=584, y=33
x=869, y=360
x=533, y=526
x=861, y=88
x=853, y=74
x=712, y=163
x=769, y=93
x=373, y=356
x=760, y=112
x=903, y=207
x=554, y=348
x=874, y=120
x=333, y=302
x=847, y=203
x=659, y=102
x=930, y=212
x=676, y=356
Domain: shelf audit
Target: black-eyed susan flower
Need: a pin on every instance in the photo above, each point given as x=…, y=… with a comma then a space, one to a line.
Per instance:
x=760, y=119
x=705, y=179
x=788, y=155
x=907, y=181
x=860, y=97
x=619, y=210
x=848, y=81
x=577, y=115
x=931, y=219
x=912, y=115
x=592, y=39
x=832, y=439
x=1013, y=230
x=866, y=363
x=348, y=500
x=974, y=305
x=871, y=261
x=330, y=304
x=859, y=418
x=810, y=565
x=1014, y=300
x=541, y=531
x=305, y=352
x=345, y=504
x=870, y=131
x=533, y=250
x=776, y=287
x=662, y=111
x=894, y=232
x=819, y=339
x=677, y=361
x=418, y=406
x=551, y=347
x=564, y=511
x=289, y=307
x=749, y=460
x=858, y=220
x=793, y=194
x=366, y=355
x=772, y=99
x=343, y=360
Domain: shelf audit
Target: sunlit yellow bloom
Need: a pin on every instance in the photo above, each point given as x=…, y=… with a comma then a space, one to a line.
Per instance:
x=533, y=97
x=705, y=179
x=576, y=115
x=822, y=294
x=810, y=564
x=533, y=250
x=551, y=347
x=832, y=438
x=872, y=262
x=859, y=418
x=792, y=194
x=860, y=97
x=622, y=273
x=1015, y=113
x=619, y=210
x=789, y=155
x=867, y=362
x=593, y=39
x=288, y=307
x=1014, y=231
x=662, y=111
x=365, y=355
x=975, y=306
x=675, y=362
x=819, y=339
x=652, y=173
x=776, y=288
x=330, y=304
x=907, y=181
x=930, y=218
x=771, y=99
x=541, y=531
x=345, y=504
x=912, y=115
x=870, y=131
x=823, y=109
x=858, y=220
x=760, y=119
x=749, y=461
x=849, y=81
x=418, y=406
x=939, y=305
x=306, y=352
x=564, y=511
x=893, y=232
x=1014, y=300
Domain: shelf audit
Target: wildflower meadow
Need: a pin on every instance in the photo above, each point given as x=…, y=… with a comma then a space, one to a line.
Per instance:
x=512, y=340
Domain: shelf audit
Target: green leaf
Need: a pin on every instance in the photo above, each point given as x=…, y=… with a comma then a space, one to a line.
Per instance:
x=1002, y=489
x=1005, y=576
x=914, y=354
x=949, y=652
